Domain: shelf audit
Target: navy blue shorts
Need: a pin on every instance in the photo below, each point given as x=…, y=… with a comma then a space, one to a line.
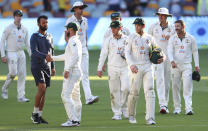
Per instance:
x=41, y=76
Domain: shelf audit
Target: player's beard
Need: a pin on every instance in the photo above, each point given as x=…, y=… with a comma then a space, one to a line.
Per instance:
x=43, y=28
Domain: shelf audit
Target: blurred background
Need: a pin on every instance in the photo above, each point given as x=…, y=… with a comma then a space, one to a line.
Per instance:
x=193, y=12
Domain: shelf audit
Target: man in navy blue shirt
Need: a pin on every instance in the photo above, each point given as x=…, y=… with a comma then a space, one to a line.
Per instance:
x=42, y=66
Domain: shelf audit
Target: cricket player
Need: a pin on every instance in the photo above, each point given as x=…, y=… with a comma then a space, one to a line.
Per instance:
x=83, y=24
x=181, y=47
x=16, y=38
x=72, y=74
x=42, y=67
x=137, y=56
x=116, y=16
x=119, y=83
x=162, y=31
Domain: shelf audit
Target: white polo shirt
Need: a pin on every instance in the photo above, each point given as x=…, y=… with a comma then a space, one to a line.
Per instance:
x=180, y=51
x=15, y=39
x=82, y=32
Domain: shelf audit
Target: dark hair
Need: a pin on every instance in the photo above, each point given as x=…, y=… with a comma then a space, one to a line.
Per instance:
x=42, y=17
x=180, y=22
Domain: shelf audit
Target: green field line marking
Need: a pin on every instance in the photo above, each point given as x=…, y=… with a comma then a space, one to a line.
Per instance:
x=30, y=78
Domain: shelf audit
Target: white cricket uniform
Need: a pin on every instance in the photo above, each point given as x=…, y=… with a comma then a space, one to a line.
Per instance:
x=71, y=90
x=163, y=70
x=85, y=55
x=15, y=41
x=137, y=53
x=180, y=51
x=108, y=32
x=117, y=72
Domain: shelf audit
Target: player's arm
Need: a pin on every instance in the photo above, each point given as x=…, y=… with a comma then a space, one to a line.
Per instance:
x=103, y=56
x=2, y=44
x=27, y=43
x=170, y=52
x=34, y=48
x=128, y=52
x=53, y=71
x=59, y=57
x=195, y=54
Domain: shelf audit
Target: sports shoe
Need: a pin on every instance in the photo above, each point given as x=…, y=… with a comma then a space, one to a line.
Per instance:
x=42, y=121
x=177, y=111
x=189, y=113
x=92, y=100
x=150, y=122
x=70, y=123
x=35, y=118
x=125, y=115
x=23, y=99
x=164, y=110
x=116, y=117
x=4, y=95
x=132, y=120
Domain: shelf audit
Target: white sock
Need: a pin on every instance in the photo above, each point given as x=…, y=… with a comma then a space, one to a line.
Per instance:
x=36, y=110
x=40, y=113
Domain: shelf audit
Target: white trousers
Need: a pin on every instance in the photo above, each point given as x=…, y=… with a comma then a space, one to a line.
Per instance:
x=145, y=76
x=184, y=71
x=163, y=77
x=71, y=95
x=85, y=75
x=16, y=66
x=119, y=85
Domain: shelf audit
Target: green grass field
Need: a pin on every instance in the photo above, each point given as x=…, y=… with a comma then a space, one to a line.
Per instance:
x=15, y=116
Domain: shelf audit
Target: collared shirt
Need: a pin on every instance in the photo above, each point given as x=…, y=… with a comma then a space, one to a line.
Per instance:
x=41, y=45
x=73, y=54
x=180, y=51
x=113, y=49
x=15, y=39
x=82, y=32
x=137, y=49
x=159, y=34
x=108, y=32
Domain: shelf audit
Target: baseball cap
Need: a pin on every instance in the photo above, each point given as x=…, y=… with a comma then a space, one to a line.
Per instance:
x=17, y=12
x=139, y=21
x=115, y=24
x=115, y=15
x=72, y=25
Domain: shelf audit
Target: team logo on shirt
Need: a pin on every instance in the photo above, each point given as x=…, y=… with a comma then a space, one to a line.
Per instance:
x=188, y=41
x=181, y=50
x=19, y=36
x=142, y=51
x=147, y=41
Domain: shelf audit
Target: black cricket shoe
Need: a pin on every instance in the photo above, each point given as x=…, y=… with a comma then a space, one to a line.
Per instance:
x=190, y=113
x=75, y=123
x=42, y=121
x=35, y=118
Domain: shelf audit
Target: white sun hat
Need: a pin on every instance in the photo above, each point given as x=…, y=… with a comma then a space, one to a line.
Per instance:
x=78, y=4
x=163, y=11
